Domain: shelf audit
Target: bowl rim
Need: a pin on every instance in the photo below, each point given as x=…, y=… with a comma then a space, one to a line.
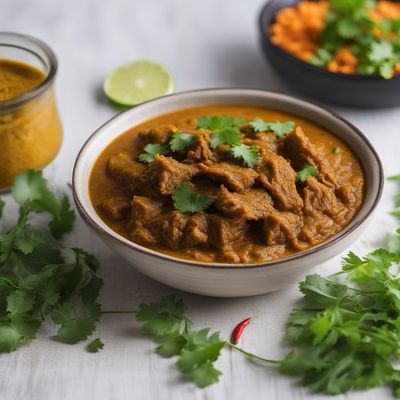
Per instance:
x=111, y=234
x=267, y=12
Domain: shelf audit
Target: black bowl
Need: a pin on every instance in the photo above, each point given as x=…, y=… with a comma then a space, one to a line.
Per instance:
x=367, y=91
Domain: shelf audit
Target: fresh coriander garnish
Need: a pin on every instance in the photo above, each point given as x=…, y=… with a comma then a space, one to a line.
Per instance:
x=151, y=150
x=307, y=171
x=279, y=128
x=250, y=155
x=41, y=278
x=336, y=150
x=224, y=129
x=95, y=345
x=186, y=199
x=218, y=122
x=181, y=141
x=31, y=191
x=76, y=327
x=197, y=351
x=225, y=136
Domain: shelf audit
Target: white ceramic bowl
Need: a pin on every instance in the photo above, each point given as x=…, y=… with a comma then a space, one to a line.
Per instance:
x=224, y=280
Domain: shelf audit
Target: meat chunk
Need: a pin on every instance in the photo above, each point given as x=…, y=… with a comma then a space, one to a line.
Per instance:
x=196, y=232
x=202, y=151
x=279, y=178
x=172, y=229
x=146, y=219
x=116, y=208
x=252, y=205
x=321, y=198
x=235, y=177
x=265, y=141
x=317, y=227
x=124, y=170
x=282, y=228
x=300, y=151
x=222, y=232
x=165, y=174
x=160, y=134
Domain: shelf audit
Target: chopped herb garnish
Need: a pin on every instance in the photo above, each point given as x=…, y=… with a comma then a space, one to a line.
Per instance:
x=225, y=136
x=31, y=192
x=250, y=155
x=218, y=122
x=279, y=128
x=307, y=171
x=336, y=150
x=95, y=345
x=186, y=199
x=181, y=141
x=151, y=150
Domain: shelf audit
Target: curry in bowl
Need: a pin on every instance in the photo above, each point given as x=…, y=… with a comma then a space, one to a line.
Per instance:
x=227, y=184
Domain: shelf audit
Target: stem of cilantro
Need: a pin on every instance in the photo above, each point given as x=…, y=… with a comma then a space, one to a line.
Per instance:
x=119, y=312
x=253, y=357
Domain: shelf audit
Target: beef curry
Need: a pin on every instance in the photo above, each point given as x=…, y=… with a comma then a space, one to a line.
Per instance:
x=230, y=184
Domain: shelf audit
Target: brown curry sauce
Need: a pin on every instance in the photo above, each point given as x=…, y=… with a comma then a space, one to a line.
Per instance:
x=296, y=217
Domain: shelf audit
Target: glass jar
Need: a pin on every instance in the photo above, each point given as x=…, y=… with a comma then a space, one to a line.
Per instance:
x=30, y=128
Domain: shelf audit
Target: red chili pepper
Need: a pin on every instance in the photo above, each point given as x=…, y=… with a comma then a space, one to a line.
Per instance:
x=237, y=332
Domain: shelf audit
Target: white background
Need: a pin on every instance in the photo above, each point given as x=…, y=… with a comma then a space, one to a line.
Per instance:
x=206, y=43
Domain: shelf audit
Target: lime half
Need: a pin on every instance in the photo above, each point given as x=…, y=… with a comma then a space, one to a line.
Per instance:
x=137, y=82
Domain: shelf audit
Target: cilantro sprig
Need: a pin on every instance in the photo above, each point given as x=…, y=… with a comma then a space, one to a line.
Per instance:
x=308, y=170
x=279, y=128
x=225, y=130
x=181, y=141
x=41, y=278
x=249, y=154
x=186, y=199
x=197, y=351
x=151, y=151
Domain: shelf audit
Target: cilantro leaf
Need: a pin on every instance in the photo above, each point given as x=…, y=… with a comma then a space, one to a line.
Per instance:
x=20, y=301
x=249, y=155
x=31, y=192
x=151, y=150
x=9, y=338
x=181, y=141
x=203, y=375
x=163, y=317
x=225, y=136
x=197, y=350
x=95, y=346
x=307, y=171
x=186, y=199
x=380, y=51
x=320, y=291
x=171, y=345
x=279, y=128
x=74, y=328
x=321, y=58
x=218, y=122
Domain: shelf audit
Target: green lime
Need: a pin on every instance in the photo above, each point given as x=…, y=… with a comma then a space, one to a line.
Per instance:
x=137, y=82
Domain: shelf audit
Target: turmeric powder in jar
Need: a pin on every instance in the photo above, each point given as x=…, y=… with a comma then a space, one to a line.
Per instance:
x=30, y=128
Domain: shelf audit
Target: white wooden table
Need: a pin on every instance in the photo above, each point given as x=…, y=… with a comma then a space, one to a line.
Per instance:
x=206, y=43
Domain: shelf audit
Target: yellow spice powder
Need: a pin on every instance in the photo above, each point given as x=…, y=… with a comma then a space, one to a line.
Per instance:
x=30, y=133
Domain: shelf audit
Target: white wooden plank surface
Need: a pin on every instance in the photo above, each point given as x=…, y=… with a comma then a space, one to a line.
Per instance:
x=206, y=43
